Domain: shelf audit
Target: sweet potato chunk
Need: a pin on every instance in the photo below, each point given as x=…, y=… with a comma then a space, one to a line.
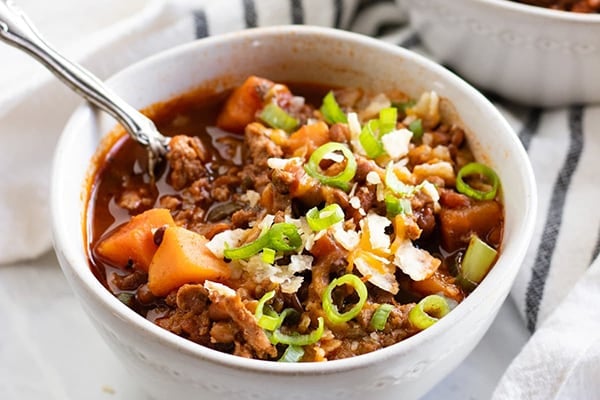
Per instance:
x=458, y=224
x=181, y=258
x=307, y=139
x=134, y=241
x=438, y=283
x=241, y=106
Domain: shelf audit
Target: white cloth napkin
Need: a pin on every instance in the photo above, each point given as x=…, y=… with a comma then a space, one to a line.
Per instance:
x=562, y=144
x=562, y=359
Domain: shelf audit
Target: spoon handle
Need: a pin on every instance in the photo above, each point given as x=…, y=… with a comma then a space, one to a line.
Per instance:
x=18, y=31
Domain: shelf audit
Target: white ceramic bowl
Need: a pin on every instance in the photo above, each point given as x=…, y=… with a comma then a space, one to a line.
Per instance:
x=528, y=54
x=168, y=366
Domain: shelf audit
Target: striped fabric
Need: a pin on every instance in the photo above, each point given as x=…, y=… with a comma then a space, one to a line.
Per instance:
x=563, y=145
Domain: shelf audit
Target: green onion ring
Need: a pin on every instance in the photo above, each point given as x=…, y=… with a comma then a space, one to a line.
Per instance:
x=331, y=110
x=331, y=310
x=300, y=340
x=292, y=354
x=416, y=127
x=268, y=255
x=282, y=236
x=396, y=185
x=319, y=220
x=380, y=316
x=395, y=206
x=477, y=168
x=277, y=117
x=267, y=322
x=428, y=311
x=388, y=118
x=369, y=140
x=340, y=180
x=477, y=261
x=248, y=250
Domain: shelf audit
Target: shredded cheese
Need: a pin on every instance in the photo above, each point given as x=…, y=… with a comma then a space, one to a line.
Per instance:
x=414, y=262
x=396, y=143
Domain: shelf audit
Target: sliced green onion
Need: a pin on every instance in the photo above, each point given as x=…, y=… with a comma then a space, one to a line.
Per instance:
x=340, y=180
x=369, y=139
x=276, y=117
x=267, y=322
x=331, y=110
x=396, y=185
x=403, y=106
x=268, y=255
x=477, y=261
x=428, y=311
x=416, y=127
x=388, y=118
x=247, y=250
x=395, y=206
x=282, y=236
x=331, y=311
x=300, y=340
x=292, y=354
x=476, y=168
x=319, y=220
x=380, y=316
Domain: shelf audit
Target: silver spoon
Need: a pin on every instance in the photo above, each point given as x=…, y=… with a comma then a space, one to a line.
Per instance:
x=18, y=31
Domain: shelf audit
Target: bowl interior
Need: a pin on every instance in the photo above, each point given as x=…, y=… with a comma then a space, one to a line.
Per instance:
x=305, y=55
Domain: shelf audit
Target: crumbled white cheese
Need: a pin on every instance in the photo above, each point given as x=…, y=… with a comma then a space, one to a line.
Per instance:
x=354, y=128
x=396, y=143
x=376, y=225
x=306, y=233
x=266, y=222
x=283, y=275
x=296, y=103
x=277, y=163
x=414, y=262
x=251, y=197
x=300, y=262
x=376, y=104
x=353, y=190
x=443, y=169
x=334, y=156
x=219, y=288
x=380, y=192
x=230, y=238
x=353, y=124
x=428, y=108
x=373, y=178
x=430, y=190
x=354, y=202
x=347, y=239
x=378, y=270
x=283, y=163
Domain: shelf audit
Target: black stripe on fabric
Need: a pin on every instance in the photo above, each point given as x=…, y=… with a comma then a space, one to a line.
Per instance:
x=297, y=12
x=411, y=41
x=596, y=251
x=530, y=127
x=338, y=12
x=250, y=14
x=543, y=259
x=388, y=27
x=364, y=4
x=200, y=24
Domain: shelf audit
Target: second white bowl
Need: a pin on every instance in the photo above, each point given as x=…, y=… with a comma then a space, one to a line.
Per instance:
x=528, y=54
